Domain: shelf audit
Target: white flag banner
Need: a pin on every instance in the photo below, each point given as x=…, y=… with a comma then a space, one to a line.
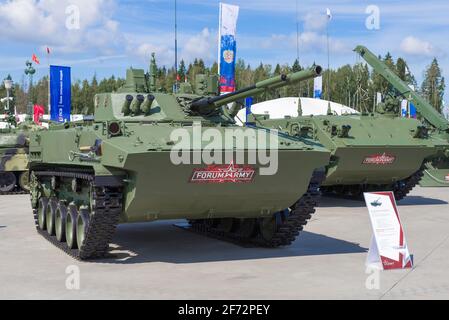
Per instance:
x=378, y=98
x=229, y=15
x=318, y=87
x=404, y=108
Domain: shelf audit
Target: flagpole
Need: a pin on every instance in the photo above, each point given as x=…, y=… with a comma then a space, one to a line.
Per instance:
x=176, y=46
x=49, y=92
x=219, y=41
x=328, y=64
x=297, y=30
x=297, y=41
x=329, y=109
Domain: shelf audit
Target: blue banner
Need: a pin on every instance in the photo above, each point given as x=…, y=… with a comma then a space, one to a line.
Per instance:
x=413, y=111
x=248, y=104
x=60, y=93
x=227, y=63
x=408, y=110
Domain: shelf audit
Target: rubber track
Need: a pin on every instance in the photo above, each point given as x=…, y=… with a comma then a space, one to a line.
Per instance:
x=287, y=231
x=107, y=207
x=401, y=189
x=409, y=184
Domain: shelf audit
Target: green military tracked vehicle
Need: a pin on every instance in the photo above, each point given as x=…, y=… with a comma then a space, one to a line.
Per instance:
x=370, y=152
x=127, y=165
x=14, y=159
x=13, y=147
x=436, y=173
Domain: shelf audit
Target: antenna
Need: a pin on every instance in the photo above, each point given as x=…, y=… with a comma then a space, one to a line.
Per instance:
x=176, y=45
x=297, y=30
x=329, y=18
x=297, y=43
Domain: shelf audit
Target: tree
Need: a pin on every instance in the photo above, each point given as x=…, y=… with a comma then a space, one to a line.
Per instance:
x=182, y=71
x=404, y=73
x=351, y=85
x=196, y=68
x=380, y=84
x=214, y=68
x=433, y=85
x=296, y=66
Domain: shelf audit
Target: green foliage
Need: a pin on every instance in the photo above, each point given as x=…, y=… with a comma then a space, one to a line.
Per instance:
x=352, y=85
x=434, y=85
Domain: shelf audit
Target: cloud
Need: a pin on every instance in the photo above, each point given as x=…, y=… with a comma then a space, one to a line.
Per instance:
x=164, y=54
x=309, y=42
x=201, y=45
x=197, y=45
x=45, y=22
x=314, y=21
x=415, y=46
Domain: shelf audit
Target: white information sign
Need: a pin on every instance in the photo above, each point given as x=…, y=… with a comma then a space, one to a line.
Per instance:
x=388, y=248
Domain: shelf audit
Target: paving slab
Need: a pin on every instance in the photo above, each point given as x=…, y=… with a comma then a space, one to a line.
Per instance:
x=161, y=261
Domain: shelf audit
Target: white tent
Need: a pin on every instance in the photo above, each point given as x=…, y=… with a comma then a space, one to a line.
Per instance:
x=288, y=107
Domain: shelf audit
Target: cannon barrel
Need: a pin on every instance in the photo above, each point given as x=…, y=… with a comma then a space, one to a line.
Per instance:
x=207, y=105
x=424, y=108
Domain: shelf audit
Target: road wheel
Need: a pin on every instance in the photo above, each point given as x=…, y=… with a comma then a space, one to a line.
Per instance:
x=70, y=227
x=269, y=226
x=42, y=213
x=8, y=181
x=60, y=220
x=246, y=228
x=50, y=216
x=226, y=225
x=24, y=181
x=82, y=226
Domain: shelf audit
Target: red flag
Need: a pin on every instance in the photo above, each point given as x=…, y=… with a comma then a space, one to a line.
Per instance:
x=39, y=112
x=35, y=59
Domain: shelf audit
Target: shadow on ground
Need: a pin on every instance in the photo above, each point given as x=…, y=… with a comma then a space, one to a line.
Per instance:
x=421, y=201
x=163, y=242
x=333, y=201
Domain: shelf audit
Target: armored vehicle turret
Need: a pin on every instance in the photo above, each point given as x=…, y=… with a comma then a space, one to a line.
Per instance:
x=149, y=155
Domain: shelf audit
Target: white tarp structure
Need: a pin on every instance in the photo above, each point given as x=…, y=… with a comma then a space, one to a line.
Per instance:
x=288, y=107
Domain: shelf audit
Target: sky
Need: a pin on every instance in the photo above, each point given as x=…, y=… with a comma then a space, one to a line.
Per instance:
x=112, y=35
